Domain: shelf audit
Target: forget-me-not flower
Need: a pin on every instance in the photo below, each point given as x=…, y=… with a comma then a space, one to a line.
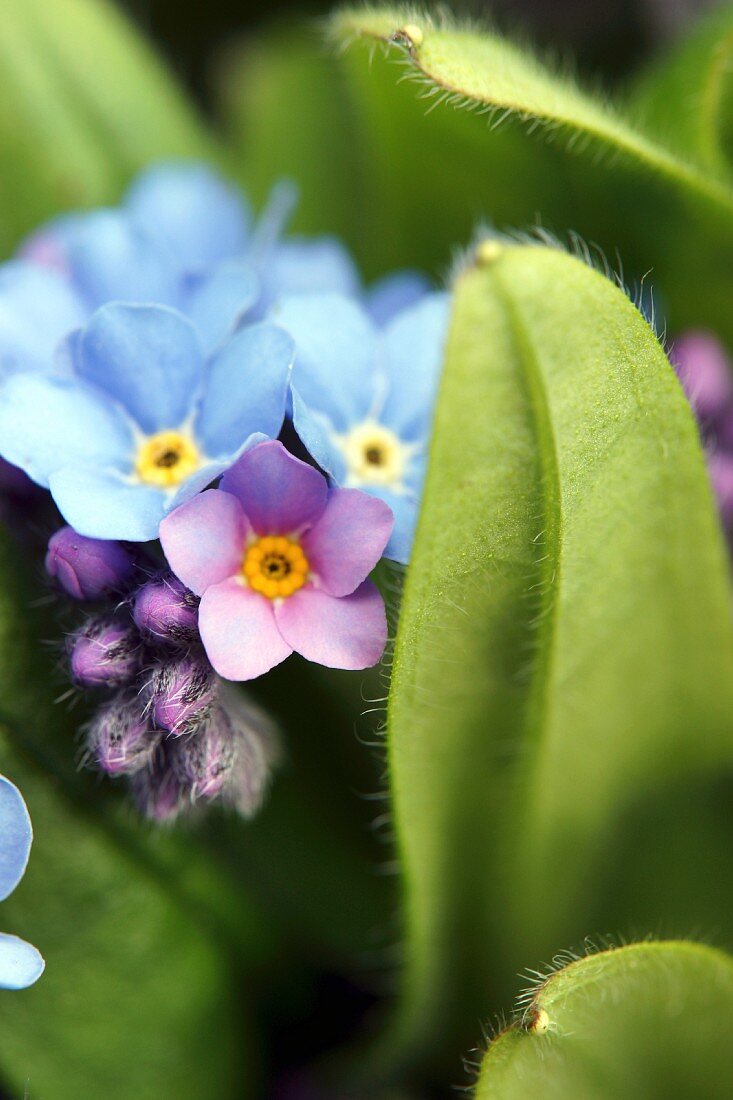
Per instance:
x=363, y=396
x=20, y=963
x=137, y=419
x=280, y=562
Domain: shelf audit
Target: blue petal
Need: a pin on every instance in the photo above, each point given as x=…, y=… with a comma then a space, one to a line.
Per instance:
x=111, y=260
x=20, y=964
x=190, y=208
x=147, y=358
x=316, y=432
x=37, y=308
x=101, y=504
x=336, y=355
x=47, y=422
x=390, y=295
x=300, y=266
x=413, y=345
x=16, y=836
x=216, y=303
x=246, y=389
x=405, y=511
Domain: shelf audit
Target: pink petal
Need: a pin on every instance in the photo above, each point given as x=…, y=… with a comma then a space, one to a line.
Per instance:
x=204, y=539
x=239, y=631
x=347, y=541
x=279, y=493
x=350, y=632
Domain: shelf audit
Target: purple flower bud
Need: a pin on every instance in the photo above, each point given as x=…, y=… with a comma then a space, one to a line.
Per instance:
x=104, y=653
x=120, y=738
x=157, y=791
x=87, y=568
x=704, y=370
x=166, y=611
x=230, y=755
x=181, y=693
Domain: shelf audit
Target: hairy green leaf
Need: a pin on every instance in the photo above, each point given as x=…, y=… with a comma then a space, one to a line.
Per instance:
x=565, y=651
x=687, y=97
x=626, y=192
x=650, y=1020
x=83, y=104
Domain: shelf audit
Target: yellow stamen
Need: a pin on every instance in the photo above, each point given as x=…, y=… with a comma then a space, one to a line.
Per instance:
x=375, y=455
x=275, y=566
x=166, y=459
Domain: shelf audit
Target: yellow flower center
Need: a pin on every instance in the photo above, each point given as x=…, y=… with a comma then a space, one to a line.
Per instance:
x=275, y=566
x=167, y=459
x=374, y=454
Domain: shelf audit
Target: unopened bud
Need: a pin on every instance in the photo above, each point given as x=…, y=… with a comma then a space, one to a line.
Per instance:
x=704, y=370
x=85, y=568
x=121, y=739
x=181, y=693
x=256, y=750
x=104, y=653
x=157, y=790
x=166, y=611
x=203, y=761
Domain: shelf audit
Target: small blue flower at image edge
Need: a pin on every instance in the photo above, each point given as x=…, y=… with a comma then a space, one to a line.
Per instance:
x=363, y=396
x=20, y=963
x=137, y=419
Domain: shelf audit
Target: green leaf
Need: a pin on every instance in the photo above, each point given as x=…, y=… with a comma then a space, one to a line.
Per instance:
x=590, y=171
x=687, y=97
x=650, y=1020
x=84, y=103
x=564, y=653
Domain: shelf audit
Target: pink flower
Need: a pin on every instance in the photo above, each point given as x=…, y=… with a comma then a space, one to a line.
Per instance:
x=280, y=562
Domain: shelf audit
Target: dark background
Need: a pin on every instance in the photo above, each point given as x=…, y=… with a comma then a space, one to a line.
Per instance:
x=606, y=37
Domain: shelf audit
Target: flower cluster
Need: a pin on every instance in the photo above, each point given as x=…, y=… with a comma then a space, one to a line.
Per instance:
x=706, y=374
x=151, y=355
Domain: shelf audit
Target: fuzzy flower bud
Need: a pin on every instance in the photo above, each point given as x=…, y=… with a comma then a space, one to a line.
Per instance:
x=166, y=611
x=704, y=370
x=181, y=693
x=157, y=790
x=104, y=653
x=120, y=738
x=231, y=755
x=87, y=568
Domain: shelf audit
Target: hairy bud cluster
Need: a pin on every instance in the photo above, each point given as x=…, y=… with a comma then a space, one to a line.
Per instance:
x=180, y=734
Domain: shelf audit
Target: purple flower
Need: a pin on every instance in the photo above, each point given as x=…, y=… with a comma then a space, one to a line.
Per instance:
x=704, y=370
x=165, y=611
x=20, y=963
x=280, y=562
x=85, y=568
x=104, y=653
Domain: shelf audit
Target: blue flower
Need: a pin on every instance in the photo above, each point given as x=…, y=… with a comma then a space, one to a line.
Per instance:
x=20, y=963
x=363, y=396
x=136, y=419
x=183, y=237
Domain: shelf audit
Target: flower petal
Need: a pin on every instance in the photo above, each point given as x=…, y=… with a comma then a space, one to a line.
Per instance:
x=350, y=632
x=190, y=207
x=302, y=266
x=147, y=358
x=20, y=964
x=100, y=504
x=239, y=632
x=204, y=539
x=217, y=302
x=279, y=493
x=16, y=836
x=405, y=510
x=47, y=422
x=111, y=260
x=390, y=295
x=336, y=355
x=348, y=540
x=37, y=308
x=413, y=344
x=318, y=434
x=246, y=388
